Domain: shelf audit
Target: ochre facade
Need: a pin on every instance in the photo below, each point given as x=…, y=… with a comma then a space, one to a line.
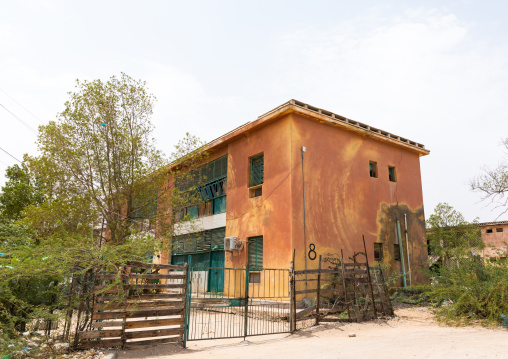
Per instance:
x=342, y=201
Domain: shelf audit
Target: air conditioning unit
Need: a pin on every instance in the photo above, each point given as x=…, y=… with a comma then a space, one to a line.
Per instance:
x=232, y=244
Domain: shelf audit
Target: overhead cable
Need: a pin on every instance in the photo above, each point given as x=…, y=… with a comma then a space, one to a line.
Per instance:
x=10, y=155
x=20, y=120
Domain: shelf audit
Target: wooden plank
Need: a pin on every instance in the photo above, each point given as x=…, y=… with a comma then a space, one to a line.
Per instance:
x=94, y=334
x=124, y=288
x=146, y=343
x=112, y=306
x=305, y=312
x=106, y=343
x=137, y=313
x=154, y=323
x=355, y=264
x=107, y=324
x=356, y=271
x=154, y=313
x=153, y=333
x=111, y=276
x=158, y=276
x=154, y=266
x=141, y=297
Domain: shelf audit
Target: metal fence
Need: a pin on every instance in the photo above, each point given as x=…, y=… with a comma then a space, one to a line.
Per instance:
x=237, y=302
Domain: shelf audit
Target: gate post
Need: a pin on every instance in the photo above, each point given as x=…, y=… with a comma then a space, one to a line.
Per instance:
x=188, y=294
x=246, y=301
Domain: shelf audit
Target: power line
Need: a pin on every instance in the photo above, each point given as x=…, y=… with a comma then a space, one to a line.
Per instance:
x=13, y=99
x=20, y=120
x=10, y=155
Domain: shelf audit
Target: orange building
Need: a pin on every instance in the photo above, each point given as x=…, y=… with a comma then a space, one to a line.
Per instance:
x=307, y=180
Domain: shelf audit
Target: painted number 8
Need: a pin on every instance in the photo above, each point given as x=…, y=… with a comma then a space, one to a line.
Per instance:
x=312, y=253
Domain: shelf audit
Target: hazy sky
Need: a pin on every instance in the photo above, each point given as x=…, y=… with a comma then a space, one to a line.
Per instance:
x=435, y=72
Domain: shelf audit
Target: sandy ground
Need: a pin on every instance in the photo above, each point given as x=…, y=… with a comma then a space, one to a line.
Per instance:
x=413, y=333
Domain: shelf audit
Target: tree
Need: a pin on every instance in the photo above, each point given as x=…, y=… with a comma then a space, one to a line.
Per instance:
x=493, y=183
x=19, y=191
x=96, y=158
x=450, y=236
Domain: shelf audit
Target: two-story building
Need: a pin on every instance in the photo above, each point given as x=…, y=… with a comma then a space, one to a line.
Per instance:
x=305, y=180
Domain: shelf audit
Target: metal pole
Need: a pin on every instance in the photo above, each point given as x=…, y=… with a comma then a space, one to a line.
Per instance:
x=304, y=218
x=246, y=312
x=401, y=250
x=407, y=247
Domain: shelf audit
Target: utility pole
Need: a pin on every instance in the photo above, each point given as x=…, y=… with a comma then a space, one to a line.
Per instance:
x=304, y=219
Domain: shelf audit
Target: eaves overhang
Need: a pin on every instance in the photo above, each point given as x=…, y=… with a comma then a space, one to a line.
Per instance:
x=319, y=115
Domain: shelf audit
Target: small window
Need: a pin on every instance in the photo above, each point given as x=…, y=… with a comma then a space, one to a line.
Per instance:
x=499, y=229
x=255, y=253
x=255, y=277
x=378, y=251
x=392, y=175
x=256, y=192
x=256, y=170
x=373, y=169
x=489, y=230
x=396, y=252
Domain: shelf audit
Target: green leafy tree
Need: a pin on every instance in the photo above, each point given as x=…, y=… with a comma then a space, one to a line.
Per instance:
x=96, y=158
x=450, y=236
x=19, y=191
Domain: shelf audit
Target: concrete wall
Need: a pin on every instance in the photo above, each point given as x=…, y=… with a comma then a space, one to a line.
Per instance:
x=496, y=243
x=343, y=202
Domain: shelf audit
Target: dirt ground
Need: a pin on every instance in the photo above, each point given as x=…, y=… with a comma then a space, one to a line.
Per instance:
x=413, y=333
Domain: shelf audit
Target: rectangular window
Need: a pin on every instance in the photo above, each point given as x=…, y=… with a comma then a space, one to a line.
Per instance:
x=396, y=252
x=499, y=229
x=219, y=205
x=255, y=277
x=373, y=169
x=489, y=230
x=392, y=174
x=255, y=253
x=256, y=170
x=378, y=251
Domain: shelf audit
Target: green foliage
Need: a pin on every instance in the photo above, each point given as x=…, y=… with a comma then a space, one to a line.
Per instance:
x=450, y=236
x=20, y=190
x=464, y=286
x=95, y=158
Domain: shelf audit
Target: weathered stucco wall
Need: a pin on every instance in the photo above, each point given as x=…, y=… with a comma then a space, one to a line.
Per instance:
x=269, y=214
x=343, y=202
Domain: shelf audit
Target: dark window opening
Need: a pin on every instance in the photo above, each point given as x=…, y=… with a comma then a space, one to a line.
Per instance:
x=255, y=192
x=489, y=230
x=499, y=229
x=396, y=252
x=378, y=251
x=255, y=253
x=373, y=169
x=255, y=277
x=392, y=176
x=256, y=170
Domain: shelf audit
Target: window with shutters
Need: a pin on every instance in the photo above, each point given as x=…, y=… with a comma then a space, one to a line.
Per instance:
x=256, y=170
x=255, y=253
x=256, y=177
x=207, y=185
x=199, y=242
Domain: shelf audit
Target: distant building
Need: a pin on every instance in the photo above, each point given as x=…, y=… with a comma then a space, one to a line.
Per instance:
x=359, y=180
x=495, y=237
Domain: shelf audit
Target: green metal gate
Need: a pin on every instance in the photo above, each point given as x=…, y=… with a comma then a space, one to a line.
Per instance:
x=250, y=303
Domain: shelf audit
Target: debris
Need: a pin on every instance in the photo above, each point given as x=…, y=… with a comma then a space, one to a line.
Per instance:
x=352, y=335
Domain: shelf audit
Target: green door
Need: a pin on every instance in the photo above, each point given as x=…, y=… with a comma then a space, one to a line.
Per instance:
x=216, y=275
